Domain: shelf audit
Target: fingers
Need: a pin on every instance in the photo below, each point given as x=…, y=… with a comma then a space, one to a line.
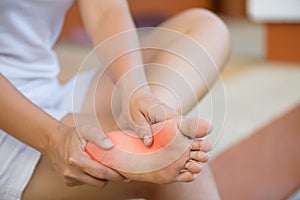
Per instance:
x=78, y=167
x=138, y=117
x=143, y=130
x=93, y=168
x=157, y=113
x=91, y=133
x=194, y=127
x=150, y=110
x=160, y=112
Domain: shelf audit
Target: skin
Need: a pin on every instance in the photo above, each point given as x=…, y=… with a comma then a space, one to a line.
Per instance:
x=64, y=161
x=162, y=158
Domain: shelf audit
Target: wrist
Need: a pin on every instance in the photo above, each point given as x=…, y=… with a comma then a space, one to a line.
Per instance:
x=56, y=137
x=133, y=80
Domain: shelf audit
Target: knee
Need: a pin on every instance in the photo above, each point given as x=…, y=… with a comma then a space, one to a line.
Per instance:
x=205, y=22
x=201, y=18
x=200, y=14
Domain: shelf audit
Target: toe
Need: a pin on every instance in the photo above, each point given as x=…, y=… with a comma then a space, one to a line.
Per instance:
x=199, y=156
x=185, y=177
x=193, y=167
x=194, y=127
x=202, y=145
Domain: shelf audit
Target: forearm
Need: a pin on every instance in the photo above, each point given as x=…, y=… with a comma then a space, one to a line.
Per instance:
x=111, y=20
x=23, y=120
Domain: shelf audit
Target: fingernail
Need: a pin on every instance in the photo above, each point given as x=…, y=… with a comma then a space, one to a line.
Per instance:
x=195, y=176
x=108, y=143
x=147, y=140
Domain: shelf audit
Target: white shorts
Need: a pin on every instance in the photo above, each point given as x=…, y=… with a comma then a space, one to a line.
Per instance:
x=17, y=160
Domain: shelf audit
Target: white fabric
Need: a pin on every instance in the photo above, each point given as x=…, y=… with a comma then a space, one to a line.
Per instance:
x=18, y=160
x=28, y=31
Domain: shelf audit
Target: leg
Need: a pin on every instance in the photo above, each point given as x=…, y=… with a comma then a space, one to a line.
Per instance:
x=202, y=188
x=38, y=186
x=211, y=33
x=204, y=28
x=160, y=163
x=217, y=48
x=47, y=184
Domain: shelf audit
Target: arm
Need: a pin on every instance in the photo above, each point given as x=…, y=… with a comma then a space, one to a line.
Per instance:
x=26, y=122
x=107, y=18
x=19, y=117
x=104, y=19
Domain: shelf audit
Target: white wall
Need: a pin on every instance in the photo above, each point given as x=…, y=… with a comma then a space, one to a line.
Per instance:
x=274, y=10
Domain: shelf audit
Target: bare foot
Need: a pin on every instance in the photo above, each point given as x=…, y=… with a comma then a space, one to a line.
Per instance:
x=172, y=156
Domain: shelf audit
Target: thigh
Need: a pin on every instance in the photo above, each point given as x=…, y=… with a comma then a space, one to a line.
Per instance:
x=201, y=48
x=198, y=24
x=46, y=183
x=202, y=188
x=102, y=104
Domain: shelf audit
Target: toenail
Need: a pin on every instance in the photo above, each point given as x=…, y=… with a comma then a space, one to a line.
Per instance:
x=187, y=165
x=182, y=171
x=201, y=165
x=202, y=155
x=210, y=129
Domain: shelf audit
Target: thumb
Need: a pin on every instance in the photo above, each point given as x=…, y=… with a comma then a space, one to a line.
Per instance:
x=143, y=130
x=95, y=135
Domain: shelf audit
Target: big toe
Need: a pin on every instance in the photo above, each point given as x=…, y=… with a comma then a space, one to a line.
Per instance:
x=195, y=127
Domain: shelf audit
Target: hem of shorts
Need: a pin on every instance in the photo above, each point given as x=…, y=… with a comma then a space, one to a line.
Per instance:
x=32, y=169
x=58, y=116
x=16, y=193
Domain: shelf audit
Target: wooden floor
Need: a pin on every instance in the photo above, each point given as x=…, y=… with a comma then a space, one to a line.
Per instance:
x=264, y=166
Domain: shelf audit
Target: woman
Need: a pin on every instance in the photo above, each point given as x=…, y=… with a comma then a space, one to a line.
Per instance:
x=35, y=124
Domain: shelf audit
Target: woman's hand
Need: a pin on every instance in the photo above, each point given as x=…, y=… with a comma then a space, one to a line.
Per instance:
x=141, y=110
x=62, y=144
x=66, y=151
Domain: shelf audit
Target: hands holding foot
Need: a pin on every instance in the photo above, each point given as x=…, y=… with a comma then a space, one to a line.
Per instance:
x=155, y=144
x=66, y=151
x=173, y=150
x=172, y=156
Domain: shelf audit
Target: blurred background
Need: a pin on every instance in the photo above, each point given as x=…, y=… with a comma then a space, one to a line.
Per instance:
x=258, y=153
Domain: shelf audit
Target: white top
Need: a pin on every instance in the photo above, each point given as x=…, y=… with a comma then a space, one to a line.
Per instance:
x=28, y=31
